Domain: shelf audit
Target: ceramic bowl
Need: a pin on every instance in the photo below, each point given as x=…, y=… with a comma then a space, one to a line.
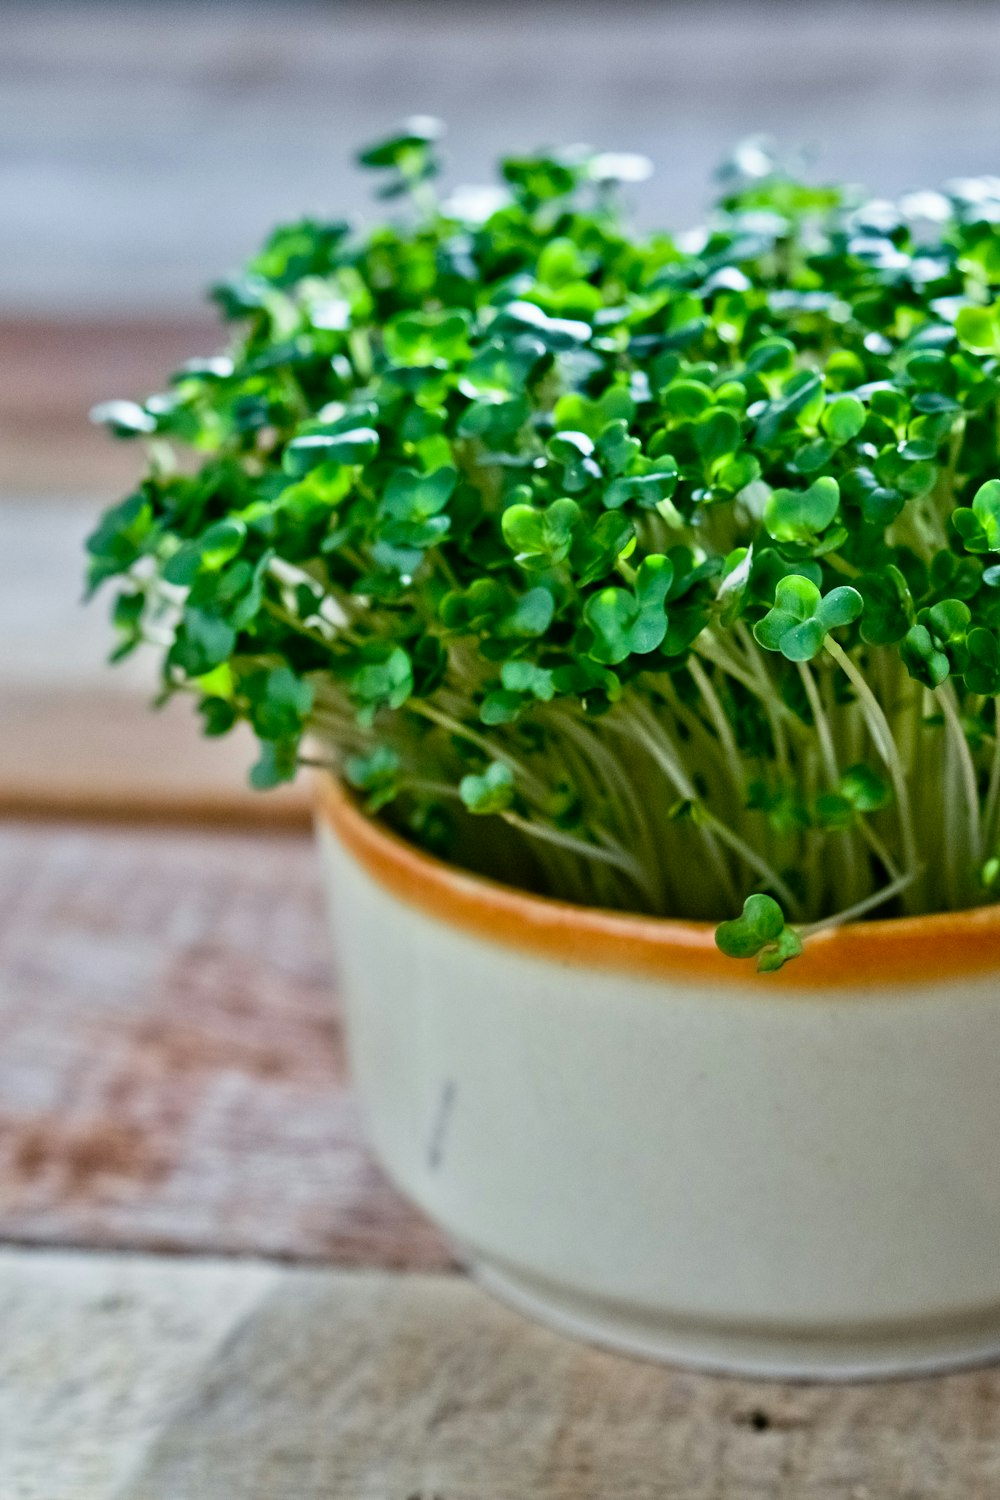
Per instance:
x=647, y=1144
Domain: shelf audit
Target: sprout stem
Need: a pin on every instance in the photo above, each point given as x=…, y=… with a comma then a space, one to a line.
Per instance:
x=960, y=747
x=993, y=794
x=882, y=737
x=851, y=913
x=602, y=853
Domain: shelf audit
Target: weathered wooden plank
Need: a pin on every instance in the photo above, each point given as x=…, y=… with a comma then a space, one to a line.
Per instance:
x=57, y=369
x=143, y=1378
x=149, y=1379
x=172, y=1070
x=147, y=147
x=96, y=1355
x=102, y=753
x=79, y=737
x=377, y=1387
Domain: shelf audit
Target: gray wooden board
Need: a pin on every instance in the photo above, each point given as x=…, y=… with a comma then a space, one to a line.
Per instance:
x=78, y=735
x=146, y=148
x=127, y=1377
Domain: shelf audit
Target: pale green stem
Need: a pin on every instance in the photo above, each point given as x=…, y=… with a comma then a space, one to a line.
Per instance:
x=882, y=737
x=462, y=731
x=317, y=639
x=650, y=735
x=311, y=764
x=768, y=694
x=967, y=770
x=611, y=856
x=851, y=913
x=734, y=760
x=993, y=794
x=878, y=848
x=603, y=764
x=431, y=788
x=750, y=857
x=828, y=755
x=822, y=723
x=761, y=687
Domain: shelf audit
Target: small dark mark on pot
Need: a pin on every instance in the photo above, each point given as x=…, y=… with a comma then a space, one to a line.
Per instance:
x=446, y=1105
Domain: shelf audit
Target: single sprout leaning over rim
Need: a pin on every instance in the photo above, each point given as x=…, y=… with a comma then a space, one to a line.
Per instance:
x=650, y=573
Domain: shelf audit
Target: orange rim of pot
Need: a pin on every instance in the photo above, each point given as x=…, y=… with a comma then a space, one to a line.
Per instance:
x=901, y=951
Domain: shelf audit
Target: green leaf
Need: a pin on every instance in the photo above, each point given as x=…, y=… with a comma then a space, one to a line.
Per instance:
x=414, y=497
x=280, y=704
x=304, y=453
x=978, y=328
x=734, y=582
x=595, y=553
x=492, y=792
x=800, y=618
x=409, y=150
x=540, y=538
x=521, y=676
x=935, y=645
x=428, y=338
x=119, y=540
x=801, y=515
x=800, y=398
x=530, y=617
x=624, y=623
x=384, y=682
x=278, y=763
x=210, y=552
x=125, y=419
x=717, y=437
x=616, y=450
x=648, y=490
x=495, y=419
x=979, y=527
x=866, y=790
x=843, y=419
x=501, y=707
x=377, y=774
x=924, y=660
x=202, y=641
x=889, y=607
x=760, y=932
x=981, y=668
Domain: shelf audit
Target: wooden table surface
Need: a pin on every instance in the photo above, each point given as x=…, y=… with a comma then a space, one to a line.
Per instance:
x=208, y=1291
x=172, y=1079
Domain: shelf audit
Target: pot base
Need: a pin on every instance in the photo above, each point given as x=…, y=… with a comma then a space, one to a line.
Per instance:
x=768, y=1353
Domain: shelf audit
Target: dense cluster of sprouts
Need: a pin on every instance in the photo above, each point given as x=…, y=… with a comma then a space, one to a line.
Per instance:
x=645, y=572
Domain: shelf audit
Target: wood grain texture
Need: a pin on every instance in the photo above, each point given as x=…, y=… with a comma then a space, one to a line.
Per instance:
x=374, y=1387
x=172, y=1070
x=79, y=737
x=57, y=369
x=98, y=1354
x=147, y=147
x=133, y=1377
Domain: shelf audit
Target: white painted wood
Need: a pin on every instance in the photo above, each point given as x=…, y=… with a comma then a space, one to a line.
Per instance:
x=138, y=1378
x=97, y=1353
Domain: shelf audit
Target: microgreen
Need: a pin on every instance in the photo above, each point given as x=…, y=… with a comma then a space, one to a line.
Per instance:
x=644, y=572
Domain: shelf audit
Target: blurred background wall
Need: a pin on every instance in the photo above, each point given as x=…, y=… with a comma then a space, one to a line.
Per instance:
x=146, y=147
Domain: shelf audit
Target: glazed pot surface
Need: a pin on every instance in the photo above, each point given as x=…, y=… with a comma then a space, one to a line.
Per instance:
x=641, y=1142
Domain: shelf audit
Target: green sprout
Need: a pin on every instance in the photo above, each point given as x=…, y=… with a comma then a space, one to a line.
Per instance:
x=652, y=573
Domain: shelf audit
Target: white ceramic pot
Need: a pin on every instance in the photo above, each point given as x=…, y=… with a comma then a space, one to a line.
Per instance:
x=646, y=1144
